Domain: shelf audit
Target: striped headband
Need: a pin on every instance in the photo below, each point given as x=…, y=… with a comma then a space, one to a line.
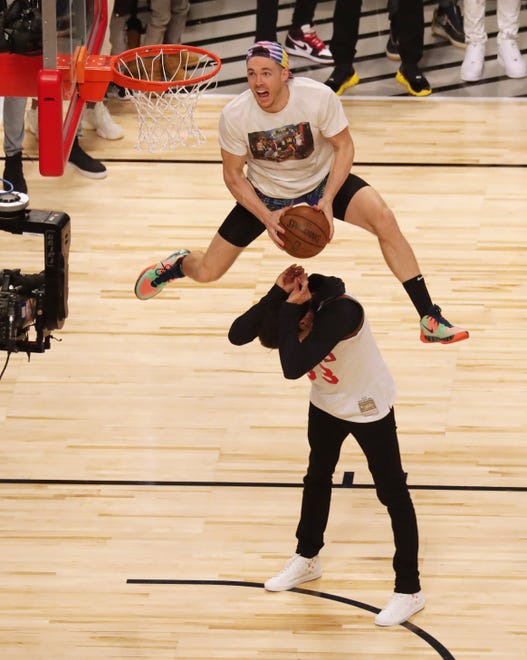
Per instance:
x=272, y=50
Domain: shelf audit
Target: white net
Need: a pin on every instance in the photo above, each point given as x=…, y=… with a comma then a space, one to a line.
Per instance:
x=166, y=118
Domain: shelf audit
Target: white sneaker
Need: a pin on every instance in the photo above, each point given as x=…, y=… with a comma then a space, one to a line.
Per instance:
x=511, y=60
x=399, y=608
x=472, y=67
x=297, y=570
x=99, y=119
x=32, y=121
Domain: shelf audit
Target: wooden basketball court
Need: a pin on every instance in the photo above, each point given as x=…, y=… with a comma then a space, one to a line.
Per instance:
x=151, y=472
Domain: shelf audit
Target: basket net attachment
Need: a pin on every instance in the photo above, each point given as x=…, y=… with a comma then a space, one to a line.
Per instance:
x=165, y=83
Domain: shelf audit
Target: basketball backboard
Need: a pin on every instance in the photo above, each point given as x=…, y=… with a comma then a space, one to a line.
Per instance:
x=67, y=27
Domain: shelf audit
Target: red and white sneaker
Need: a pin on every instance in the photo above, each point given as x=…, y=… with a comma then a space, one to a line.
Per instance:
x=305, y=42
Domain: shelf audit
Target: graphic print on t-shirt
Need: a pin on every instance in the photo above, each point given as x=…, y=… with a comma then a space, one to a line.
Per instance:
x=278, y=144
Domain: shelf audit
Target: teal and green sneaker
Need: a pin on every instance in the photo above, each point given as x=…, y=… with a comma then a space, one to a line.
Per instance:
x=154, y=278
x=436, y=329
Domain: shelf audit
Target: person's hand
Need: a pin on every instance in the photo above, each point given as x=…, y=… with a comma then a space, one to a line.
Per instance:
x=326, y=206
x=300, y=292
x=286, y=280
x=274, y=228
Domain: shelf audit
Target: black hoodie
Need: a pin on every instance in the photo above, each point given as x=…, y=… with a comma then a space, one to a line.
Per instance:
x=336, y=317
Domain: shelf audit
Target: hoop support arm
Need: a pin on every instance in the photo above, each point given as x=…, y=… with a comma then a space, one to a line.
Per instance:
x=93, y=75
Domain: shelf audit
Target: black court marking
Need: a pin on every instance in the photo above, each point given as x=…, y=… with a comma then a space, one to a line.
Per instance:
x=414, y=164
x=426, y=637
x=347, y=482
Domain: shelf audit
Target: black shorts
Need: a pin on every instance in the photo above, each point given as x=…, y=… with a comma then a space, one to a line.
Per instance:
x=241, y=227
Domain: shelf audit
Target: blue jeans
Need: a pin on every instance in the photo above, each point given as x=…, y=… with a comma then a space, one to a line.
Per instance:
x=311, y=198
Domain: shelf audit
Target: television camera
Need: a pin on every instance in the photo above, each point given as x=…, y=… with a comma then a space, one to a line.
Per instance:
x=34, y=300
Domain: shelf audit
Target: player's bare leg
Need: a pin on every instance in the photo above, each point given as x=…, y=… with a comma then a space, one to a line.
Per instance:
x=209, y=266
x=368, y=210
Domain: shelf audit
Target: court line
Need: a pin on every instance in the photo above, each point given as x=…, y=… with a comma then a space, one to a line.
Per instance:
x=216, y=161
x=245, y=484
x=442, y=651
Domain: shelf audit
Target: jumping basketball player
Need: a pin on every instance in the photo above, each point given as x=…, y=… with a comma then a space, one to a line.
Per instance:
x=321, y=331
x=293, y=136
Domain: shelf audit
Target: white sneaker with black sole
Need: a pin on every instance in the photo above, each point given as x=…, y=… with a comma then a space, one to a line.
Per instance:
x=85, y=164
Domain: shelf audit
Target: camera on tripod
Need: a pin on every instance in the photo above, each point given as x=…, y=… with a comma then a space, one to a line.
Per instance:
x=36, y=301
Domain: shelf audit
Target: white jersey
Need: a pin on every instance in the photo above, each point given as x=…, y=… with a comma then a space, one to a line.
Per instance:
x=287, y=152
x=353, y=382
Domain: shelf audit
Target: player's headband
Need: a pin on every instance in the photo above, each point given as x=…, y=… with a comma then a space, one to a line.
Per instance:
x=271, y=50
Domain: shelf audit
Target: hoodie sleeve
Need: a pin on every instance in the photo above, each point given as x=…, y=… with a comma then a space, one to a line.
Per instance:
x=245, y=328
x=335, y=321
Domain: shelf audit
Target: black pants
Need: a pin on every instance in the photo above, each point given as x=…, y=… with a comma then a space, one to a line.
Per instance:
x=378, y=441
x=346, y=19
x=407, y=25
x=267, y=17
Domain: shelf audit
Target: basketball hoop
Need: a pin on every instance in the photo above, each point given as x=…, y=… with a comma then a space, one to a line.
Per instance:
x=165, y=83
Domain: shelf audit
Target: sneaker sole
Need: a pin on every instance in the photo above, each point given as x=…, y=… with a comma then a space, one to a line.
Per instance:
x=394, y=57
x=180, y=254
x=354, y=80
x=90, y=175
x=401, y=79
x=440, y=31
x=468, y=78
x=138, y=293
x=107, y=136
x=501, y=62
x=294, y=584
x=399, y=621
x=309, y=56
x=460, y=336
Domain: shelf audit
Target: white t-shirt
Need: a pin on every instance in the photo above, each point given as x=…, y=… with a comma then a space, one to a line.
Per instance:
x=287, y=152
x=353, y=382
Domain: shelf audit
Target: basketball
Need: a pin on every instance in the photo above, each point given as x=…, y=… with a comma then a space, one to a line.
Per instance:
x=163, y=66
x=306, y=231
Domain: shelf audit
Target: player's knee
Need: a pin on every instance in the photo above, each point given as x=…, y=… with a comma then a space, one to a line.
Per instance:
x=384, y=223
x=393, y=492
x=199, y=268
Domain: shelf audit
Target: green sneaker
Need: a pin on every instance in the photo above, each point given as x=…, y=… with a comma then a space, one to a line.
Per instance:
x=154, y=278
x=436, y=329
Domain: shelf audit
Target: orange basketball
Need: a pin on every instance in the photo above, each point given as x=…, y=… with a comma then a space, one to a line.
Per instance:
x=164, y=66
x=306, y=231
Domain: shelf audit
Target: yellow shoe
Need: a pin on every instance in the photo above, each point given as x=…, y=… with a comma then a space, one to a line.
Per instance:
x=340, y=80
x=414, y=81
